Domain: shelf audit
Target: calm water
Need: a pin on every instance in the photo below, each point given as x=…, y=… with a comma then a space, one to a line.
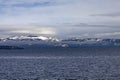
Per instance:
x=60, y=64
x=83, y=51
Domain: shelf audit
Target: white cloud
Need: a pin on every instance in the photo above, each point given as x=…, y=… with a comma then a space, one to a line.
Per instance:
x=58, y=12
x=27, y=29
x=112, y=34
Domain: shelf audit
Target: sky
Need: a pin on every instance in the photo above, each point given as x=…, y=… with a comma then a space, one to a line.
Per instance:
x=60, y=18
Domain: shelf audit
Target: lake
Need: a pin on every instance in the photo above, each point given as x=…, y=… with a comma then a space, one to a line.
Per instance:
x=60, y=64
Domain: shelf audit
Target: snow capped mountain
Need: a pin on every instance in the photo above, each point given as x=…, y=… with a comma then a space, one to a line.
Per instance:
x=52, y=39
x=93, y=41
x=42, y=42
x=30, y=37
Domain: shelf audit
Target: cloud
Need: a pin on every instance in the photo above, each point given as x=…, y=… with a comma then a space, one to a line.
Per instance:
x=117, y=14
x=89, y=25
x=51, y=16
x=27, y=29
x=112, y=34
x=50, y=11
x=33, y=3
x=26, y=4
x=37, y=11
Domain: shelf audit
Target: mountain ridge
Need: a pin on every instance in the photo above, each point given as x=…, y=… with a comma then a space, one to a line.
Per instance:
x=43, y=42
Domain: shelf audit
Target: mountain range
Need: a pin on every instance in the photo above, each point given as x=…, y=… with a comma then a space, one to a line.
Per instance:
x=30, y=41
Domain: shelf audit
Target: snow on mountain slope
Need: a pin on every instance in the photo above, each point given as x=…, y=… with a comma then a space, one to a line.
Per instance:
x=30, y=37
x=41, y=41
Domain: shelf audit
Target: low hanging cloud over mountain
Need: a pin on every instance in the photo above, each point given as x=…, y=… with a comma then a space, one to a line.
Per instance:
x=26, y=30
x=108, y=35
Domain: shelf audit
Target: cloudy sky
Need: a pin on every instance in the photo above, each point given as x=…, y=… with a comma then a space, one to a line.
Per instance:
x=60, y=18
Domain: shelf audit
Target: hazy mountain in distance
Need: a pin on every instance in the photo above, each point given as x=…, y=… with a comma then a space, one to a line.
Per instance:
x=43, y=42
